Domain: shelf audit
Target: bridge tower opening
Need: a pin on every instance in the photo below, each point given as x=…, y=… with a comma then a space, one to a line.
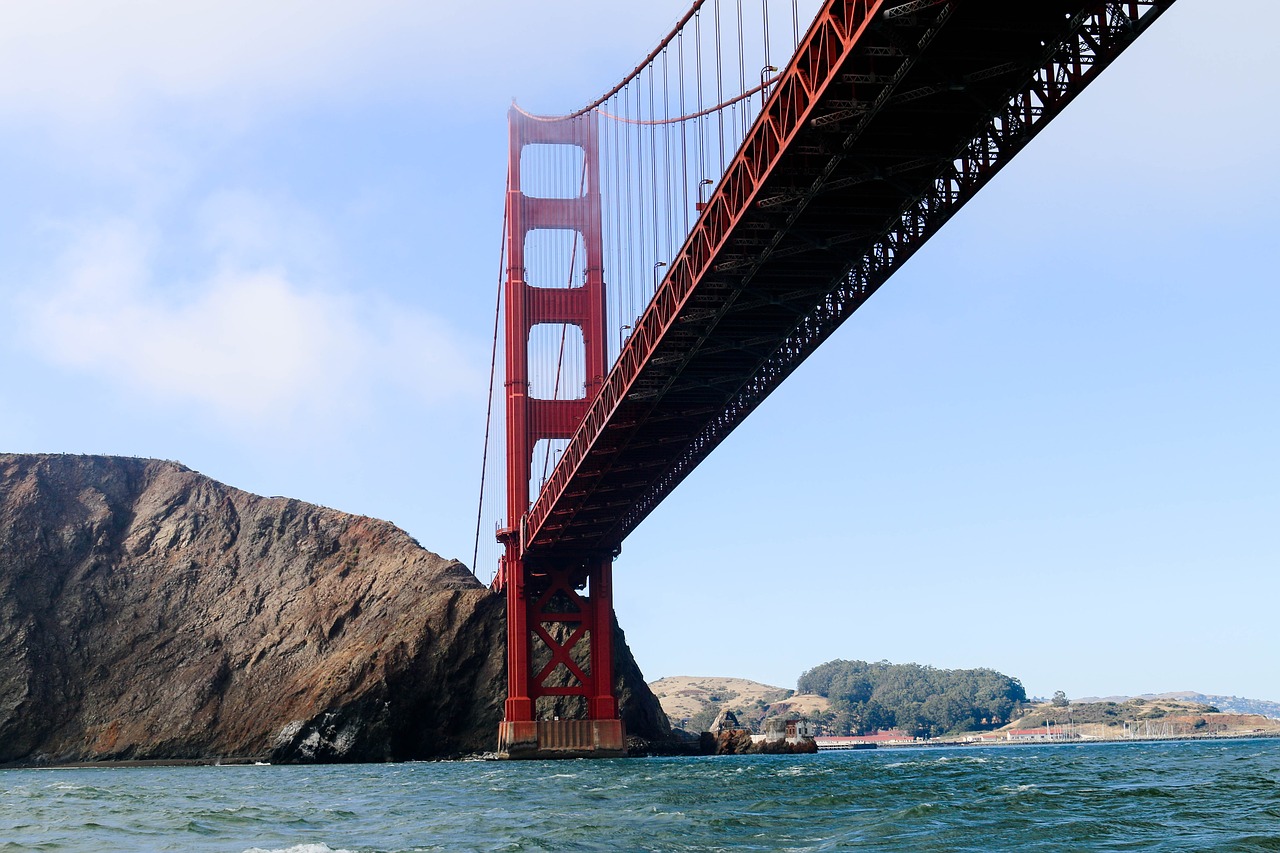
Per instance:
x=560, y=692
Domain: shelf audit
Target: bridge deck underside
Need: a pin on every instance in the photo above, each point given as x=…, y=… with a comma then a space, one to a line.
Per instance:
x=901, y=107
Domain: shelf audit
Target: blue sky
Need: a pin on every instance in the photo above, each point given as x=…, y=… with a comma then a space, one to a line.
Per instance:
x=262, y=239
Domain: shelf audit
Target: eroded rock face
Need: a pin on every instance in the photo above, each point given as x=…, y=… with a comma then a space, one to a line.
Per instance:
x=740, y=742
x=148, y=612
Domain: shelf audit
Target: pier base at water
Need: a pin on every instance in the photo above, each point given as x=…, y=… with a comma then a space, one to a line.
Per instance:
x=562, y=739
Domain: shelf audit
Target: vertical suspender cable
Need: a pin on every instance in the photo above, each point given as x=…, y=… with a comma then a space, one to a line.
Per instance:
x=619, y=274
x=668, y=172
x=613, y=278
x=653, y=170
x=702, y=120
x=684, y=140
x=630, y=281
x=764, y=5
x=604, y=174
x=742, y=76
x=642, y=212
x=720, y=88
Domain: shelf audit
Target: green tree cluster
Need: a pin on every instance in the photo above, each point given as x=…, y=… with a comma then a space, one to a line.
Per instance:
x=923, y=701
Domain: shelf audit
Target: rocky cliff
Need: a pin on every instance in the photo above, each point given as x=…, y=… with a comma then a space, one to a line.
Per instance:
x=148, y=612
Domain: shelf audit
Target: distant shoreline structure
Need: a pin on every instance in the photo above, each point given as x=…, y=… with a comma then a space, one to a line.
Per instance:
x=825, y=742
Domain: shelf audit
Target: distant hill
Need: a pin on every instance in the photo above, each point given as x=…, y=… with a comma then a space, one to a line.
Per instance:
x=1140, y=717
x=696, y=700
x=921, y=700
x=1226, y=704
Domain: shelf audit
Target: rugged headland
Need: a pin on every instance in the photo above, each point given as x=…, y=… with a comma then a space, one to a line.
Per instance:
x=148, y=612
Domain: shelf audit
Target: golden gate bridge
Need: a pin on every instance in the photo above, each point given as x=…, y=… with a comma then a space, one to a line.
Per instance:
x=676, y=248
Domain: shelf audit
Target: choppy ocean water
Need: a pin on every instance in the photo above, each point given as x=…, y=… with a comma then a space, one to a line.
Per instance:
x=1217, y=795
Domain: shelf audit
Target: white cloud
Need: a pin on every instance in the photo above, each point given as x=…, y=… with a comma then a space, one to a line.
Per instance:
x=252, y=345
x=242, y=227
x=94, y=56
x=87, y=59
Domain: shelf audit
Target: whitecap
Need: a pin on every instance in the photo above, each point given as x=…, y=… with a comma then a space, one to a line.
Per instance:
x=299, y=848
x=1017, y=789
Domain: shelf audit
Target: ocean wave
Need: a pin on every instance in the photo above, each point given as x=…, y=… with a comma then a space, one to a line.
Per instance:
x=1097, y=797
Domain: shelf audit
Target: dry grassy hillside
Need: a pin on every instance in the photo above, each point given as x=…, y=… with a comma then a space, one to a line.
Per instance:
x=697, y=699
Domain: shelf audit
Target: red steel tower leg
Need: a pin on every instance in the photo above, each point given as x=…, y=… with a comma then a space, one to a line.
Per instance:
x=559, y=641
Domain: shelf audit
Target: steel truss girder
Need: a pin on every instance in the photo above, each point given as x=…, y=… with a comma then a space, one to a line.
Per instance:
x=1095, y=34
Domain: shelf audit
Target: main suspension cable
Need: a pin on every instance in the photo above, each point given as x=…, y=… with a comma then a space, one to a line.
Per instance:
x=699, y=114
x=493, y=364
x=635, y=72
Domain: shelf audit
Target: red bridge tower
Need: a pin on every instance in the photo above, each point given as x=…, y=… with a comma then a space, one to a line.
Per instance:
x=559, y=606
